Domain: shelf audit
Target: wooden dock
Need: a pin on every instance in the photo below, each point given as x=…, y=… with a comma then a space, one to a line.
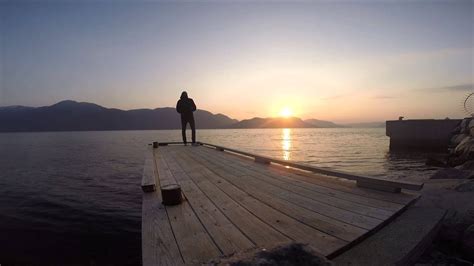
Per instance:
x=236, y=201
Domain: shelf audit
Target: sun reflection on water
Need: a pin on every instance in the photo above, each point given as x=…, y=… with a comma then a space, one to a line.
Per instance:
x=286, y=143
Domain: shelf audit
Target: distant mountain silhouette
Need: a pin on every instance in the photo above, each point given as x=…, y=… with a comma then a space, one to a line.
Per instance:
x=322, y=123
x=80, y=116
x=257, y=122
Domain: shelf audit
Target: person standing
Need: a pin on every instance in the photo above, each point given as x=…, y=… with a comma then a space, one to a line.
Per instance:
x=186, y=107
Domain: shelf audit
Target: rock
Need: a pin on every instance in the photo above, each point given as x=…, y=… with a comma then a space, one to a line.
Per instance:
x=465, y=187
x=451, y=173
x=436, y=257
x=291, y=254
x=456, y=130
x=467, y=243
x=465, y=144
x=469, y=165
x=435, y=162
x=465, y=125
x=456, y=139
x=452, y=228
x=471, y=127
x=455, y=161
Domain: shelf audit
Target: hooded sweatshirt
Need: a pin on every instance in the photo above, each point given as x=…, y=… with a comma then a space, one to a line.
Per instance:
x=185, y=106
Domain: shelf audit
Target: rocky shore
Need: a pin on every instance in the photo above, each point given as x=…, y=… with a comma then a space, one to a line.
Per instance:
x=452, y=189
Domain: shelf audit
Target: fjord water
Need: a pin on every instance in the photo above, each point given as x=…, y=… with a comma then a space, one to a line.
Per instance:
x=75, y=198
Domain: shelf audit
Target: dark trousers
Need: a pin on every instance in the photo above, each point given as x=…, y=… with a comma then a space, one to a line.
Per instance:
x=184, y=122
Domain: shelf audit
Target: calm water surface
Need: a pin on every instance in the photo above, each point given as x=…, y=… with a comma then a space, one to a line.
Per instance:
x=74, y=198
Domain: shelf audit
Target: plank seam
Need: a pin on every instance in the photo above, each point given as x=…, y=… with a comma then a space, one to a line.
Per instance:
x=230, y=220
x=247, y=208
x=194, y=211
x=289, y=174
x=304, y=196
x=166, y=209
x=284, y=214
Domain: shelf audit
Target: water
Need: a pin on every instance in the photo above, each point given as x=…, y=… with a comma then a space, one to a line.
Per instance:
x=74, y=198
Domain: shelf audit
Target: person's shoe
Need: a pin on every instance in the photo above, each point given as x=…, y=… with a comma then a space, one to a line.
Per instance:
x=185, y=143
x=195, y=144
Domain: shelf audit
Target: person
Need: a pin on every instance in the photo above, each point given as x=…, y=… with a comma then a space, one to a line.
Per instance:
x=186, y=107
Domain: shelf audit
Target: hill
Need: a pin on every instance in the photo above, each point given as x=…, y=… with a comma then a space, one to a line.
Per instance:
x=322, y=123
x=257, y=122
x=80, y=116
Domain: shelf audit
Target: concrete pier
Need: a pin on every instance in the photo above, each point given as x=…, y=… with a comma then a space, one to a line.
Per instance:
x=421, y=134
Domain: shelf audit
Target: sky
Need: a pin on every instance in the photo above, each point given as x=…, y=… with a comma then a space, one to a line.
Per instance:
x=344, y=61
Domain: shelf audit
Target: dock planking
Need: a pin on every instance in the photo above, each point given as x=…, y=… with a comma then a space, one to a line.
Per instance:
x=233, y=204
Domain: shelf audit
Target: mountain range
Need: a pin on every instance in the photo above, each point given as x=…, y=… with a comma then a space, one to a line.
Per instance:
x=81, y=116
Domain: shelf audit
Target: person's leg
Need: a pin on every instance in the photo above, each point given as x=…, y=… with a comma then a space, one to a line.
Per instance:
x=193, y=129
x=183, y=129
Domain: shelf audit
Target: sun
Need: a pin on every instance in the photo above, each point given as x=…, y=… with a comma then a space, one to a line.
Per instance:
x=286, y=112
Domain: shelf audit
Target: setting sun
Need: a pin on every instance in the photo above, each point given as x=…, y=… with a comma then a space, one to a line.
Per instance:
x=286, y=112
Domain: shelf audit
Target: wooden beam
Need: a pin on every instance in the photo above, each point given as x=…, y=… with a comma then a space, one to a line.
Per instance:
x=148, y=178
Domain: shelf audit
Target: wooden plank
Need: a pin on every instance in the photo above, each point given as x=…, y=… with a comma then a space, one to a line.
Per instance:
x=375, y=180
x=327, y=195
x=257, y=231
x=345, y=185
x=321, y=242
x=324, y=198
x=148, y=179
x=159, y=246
x=187, y=228
x=225, y=234
x=268, y=187
x=164, y=174
x=339, y=188
x=320, y=222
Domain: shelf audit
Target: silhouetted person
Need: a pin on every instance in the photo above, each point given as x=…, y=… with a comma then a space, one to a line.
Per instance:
x=186, y=107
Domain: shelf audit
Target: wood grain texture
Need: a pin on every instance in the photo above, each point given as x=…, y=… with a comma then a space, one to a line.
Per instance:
x=195, y=243
x=148, y=177
x=316, y=220
x=320, y=241
x=375, y=180
x=324, y=202
x=232, y=204
x=340, y=188
x=225, y=234
x=159, y=246
x=255, y=229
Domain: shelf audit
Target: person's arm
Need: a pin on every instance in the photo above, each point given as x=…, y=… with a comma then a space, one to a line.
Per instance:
x=179, y=107
x=193, y=105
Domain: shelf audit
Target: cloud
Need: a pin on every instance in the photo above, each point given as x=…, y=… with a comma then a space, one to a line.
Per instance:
x=334, y=97
x=455, y=88
x=383, y=97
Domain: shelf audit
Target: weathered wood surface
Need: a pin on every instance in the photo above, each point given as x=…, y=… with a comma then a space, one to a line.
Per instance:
x=148, y=178
x=233, y=204
x=158, y=242
x=363, y=181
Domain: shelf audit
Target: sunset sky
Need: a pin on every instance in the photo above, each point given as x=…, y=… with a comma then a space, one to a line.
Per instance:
x=348, y=61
